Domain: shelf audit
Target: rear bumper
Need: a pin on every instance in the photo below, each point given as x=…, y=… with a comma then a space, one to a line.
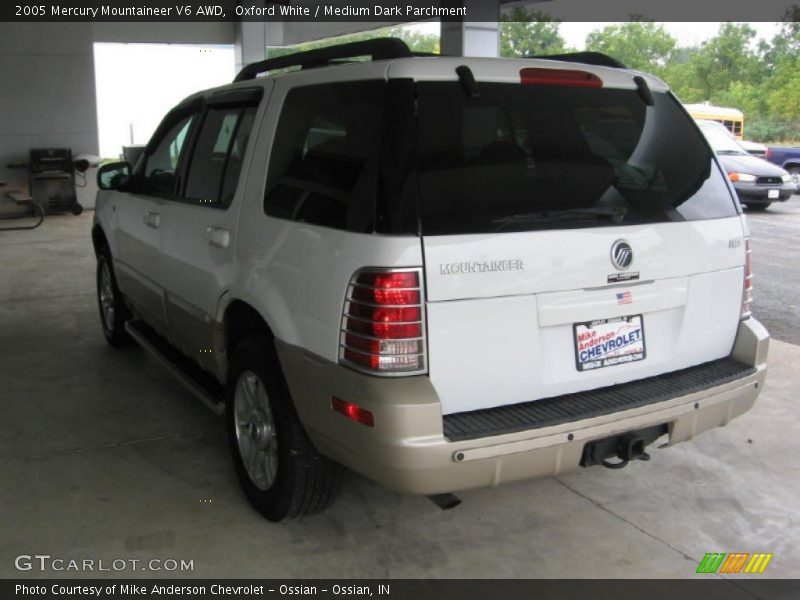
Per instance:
x=407, y=450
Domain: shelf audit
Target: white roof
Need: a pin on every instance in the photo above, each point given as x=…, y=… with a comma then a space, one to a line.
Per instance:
x=441, y=68
x=506, y=70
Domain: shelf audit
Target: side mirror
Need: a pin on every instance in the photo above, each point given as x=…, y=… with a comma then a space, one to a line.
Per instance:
x=113, y=176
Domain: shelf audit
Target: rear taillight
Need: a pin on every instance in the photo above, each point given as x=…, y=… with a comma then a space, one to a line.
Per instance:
x=747, y=294
x=561, y=77
x=383, y=329
x=768, y=153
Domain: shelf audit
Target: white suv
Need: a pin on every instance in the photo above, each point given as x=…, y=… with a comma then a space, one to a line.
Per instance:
x=442, y=273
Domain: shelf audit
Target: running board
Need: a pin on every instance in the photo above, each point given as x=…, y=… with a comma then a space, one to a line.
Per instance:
x=207, y=389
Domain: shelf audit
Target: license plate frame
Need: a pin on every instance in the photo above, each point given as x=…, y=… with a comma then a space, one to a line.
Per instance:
x=606, y=334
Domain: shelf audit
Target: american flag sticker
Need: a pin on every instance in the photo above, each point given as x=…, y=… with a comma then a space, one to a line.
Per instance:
x=624, y=298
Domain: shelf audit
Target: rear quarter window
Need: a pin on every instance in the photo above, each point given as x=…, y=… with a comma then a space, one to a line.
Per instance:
x=324, y=160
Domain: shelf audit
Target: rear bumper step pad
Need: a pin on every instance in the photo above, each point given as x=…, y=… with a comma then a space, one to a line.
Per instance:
x=594, y=403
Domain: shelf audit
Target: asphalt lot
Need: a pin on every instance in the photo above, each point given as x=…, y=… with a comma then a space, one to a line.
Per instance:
x=775, y=240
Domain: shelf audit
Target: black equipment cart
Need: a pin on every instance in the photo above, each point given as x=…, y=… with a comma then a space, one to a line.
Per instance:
x=51, y=178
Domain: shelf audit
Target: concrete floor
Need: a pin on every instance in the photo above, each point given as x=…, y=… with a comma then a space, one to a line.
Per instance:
x=104, y=456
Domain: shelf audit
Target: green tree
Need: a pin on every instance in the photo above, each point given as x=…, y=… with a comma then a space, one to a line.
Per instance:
x=416, y=40
x=529, y=33
x=747, y=97
x=783, y=89
x=679, y=74
x=644, y=46
x=786, y=44
x=726, y=58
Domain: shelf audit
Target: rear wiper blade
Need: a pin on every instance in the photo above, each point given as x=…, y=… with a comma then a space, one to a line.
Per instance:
x=615, y=213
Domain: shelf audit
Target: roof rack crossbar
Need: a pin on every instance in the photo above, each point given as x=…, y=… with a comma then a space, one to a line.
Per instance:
x=376, y=49
x=588, y=58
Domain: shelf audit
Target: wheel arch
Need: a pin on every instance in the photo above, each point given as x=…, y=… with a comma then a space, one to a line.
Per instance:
x=99, y=239
x=240, y=319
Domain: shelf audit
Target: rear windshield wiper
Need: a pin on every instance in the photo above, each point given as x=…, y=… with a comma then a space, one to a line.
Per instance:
x=614, y=213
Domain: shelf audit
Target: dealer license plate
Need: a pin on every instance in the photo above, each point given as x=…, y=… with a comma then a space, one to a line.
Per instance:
x=609, y=342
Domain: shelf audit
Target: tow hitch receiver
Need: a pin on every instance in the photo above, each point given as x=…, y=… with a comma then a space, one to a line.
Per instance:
x=626, y=447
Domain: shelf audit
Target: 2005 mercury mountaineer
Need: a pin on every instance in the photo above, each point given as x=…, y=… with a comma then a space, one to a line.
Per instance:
x=442, y=273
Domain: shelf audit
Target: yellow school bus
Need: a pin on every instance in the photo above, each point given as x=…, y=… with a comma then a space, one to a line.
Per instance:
x=731, y=118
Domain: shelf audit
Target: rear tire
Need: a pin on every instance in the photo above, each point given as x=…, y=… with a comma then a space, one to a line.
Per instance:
x=281, y=472
x=113, y=311
x=76, y=209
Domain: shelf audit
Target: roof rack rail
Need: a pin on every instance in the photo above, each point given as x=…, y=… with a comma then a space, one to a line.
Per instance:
x=588, y=58
x=376, y=49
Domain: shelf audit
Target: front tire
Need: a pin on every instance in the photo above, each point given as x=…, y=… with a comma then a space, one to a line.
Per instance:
x=758, y=207
x=281, y=472
x=113, y=311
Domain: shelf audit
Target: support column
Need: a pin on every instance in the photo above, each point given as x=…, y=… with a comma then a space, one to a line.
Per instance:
x=472, y=38
x=251, y=38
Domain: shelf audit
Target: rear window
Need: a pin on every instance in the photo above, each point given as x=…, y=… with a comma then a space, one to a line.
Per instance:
x=520, y=158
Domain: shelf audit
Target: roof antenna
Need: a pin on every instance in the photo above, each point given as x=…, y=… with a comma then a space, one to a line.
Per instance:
x=467, y=80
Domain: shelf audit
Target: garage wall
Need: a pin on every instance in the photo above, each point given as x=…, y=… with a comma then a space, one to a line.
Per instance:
x=47, y=91
x=47, y=85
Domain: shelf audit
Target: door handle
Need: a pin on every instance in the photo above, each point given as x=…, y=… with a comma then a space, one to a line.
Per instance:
x=152, y=219
x=217, y=236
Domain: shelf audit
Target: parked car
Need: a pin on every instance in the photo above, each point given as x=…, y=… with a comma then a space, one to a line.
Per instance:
x=786, y=158
x=442, y=273
x=754, y=148
x=757, y=182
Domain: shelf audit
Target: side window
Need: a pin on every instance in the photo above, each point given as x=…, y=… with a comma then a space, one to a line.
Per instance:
x=160, y=170
x=324, y=161
x=217, y=157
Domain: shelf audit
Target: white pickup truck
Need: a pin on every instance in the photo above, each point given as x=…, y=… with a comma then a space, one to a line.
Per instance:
x=442, y=273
